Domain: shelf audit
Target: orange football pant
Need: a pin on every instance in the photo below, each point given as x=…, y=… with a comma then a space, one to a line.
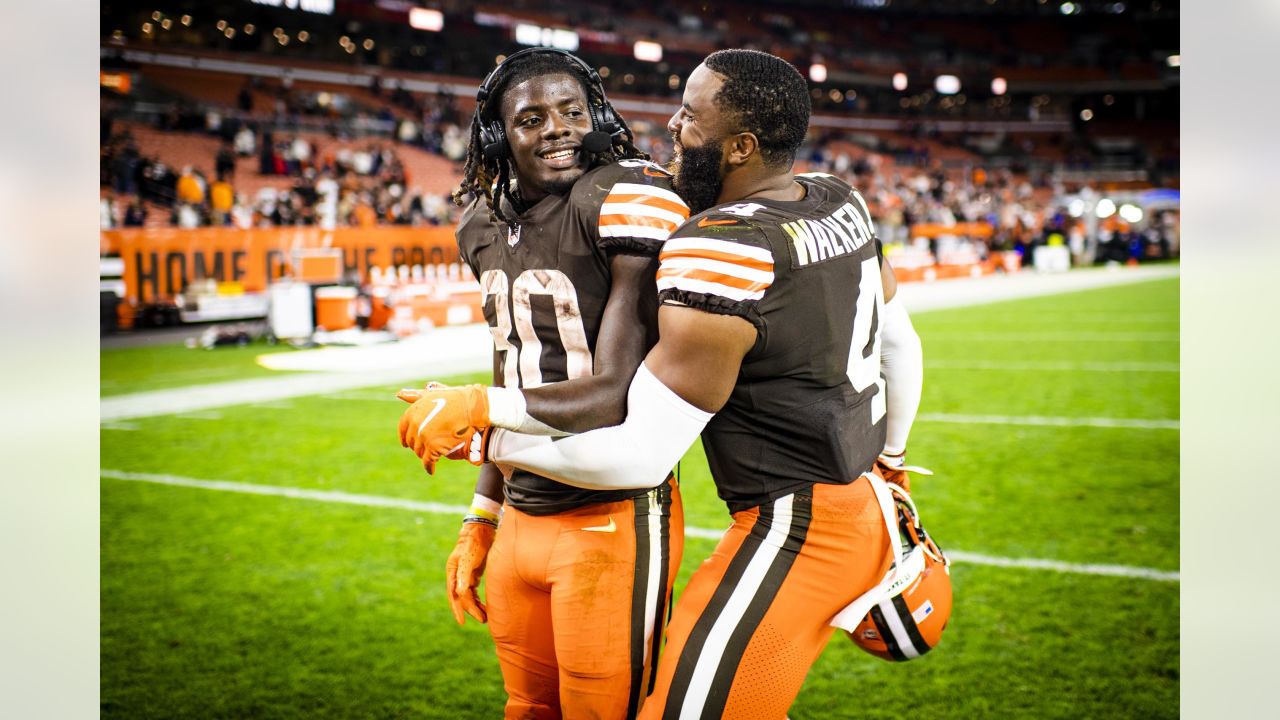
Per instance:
x=577, y=604
x=754, y=616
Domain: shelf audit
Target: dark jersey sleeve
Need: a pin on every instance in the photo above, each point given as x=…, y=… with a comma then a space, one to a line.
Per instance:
x=719, y=263
x=631, y=207
x=473, y=230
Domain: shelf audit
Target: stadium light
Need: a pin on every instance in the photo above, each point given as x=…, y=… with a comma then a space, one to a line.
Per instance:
x=1086, y=114
x=1106, y=208
x=426, y=19
x=530, y=34
x=947, y=84
x=1174, y=61
x=1067, y=8
x=900, y=81
x=818, y=72
x=647, y=51
x=999, y=86
x=1131, y=213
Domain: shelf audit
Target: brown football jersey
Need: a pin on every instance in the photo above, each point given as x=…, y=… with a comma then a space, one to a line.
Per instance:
x=809, y=402
x=546, y=283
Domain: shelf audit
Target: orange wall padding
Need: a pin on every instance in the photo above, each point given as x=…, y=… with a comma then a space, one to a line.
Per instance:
x=159, y=262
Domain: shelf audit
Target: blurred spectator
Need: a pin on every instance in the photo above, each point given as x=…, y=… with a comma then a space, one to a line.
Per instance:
x=107, y=212
x=241, y=213
x=136, y=214
x=244, y=99
x=221, y=199
x=224, y=163
x=186, y=215
x=189, y=190
x=124, y=167
x=245, y=141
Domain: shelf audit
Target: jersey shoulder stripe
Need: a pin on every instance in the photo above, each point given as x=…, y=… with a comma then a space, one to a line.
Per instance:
x=639, y=216
x=708, y=266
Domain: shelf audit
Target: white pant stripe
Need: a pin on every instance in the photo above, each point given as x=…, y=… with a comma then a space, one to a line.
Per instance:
x=743, y=593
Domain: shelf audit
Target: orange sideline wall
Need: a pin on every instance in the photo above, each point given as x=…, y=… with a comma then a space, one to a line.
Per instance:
x=159, y=262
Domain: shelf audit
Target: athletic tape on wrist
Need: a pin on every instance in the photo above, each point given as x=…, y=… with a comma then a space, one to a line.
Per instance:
x=484, y=509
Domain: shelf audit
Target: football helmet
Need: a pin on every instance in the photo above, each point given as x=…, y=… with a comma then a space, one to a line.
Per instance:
x=910, y=608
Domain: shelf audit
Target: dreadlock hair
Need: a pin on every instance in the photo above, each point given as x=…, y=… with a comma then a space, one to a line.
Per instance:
x=491, y=178
x=766, y=96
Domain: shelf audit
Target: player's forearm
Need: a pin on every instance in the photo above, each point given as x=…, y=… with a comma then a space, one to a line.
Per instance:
x=583, y=404
x=902, y=364
x=490, y=483
x=659, y=427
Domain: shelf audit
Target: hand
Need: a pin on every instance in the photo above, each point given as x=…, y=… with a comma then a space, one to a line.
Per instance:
x=441, y=421
x=894, y=469
x=465, y=567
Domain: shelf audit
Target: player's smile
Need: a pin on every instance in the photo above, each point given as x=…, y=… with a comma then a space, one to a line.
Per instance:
x=561, y=157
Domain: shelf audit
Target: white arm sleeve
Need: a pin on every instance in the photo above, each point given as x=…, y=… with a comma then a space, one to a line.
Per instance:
x=902, y=364
x=639, y=453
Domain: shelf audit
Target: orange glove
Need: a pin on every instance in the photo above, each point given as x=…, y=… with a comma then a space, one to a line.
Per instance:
x=441, y=420
x=465, y=567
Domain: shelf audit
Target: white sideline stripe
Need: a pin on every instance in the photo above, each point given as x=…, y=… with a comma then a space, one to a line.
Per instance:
x=336, y=496
x=330, y=496
x=1086, y=366
x=1127, y=571
x=1170, y=337
x=1041, y=420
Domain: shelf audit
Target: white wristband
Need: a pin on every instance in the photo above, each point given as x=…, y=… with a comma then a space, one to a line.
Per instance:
x=509, y=409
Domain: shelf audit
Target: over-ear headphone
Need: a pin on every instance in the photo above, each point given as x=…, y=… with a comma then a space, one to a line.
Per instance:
x=493, y=134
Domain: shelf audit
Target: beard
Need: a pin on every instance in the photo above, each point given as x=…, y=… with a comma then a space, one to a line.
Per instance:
x=697, y=176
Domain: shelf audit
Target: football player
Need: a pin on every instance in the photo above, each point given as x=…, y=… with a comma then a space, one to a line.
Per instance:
x=563, y=232
x=772, y=303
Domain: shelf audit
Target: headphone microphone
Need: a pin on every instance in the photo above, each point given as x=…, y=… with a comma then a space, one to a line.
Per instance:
x=597, y=142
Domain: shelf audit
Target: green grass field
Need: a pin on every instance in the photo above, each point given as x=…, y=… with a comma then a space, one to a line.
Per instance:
x=230, y=605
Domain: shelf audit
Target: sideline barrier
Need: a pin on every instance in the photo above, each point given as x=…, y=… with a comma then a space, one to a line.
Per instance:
x=160, y=262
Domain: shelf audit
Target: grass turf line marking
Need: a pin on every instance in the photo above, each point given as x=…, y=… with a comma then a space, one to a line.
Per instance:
x=1153, y=367
x=1058, y=336
x=1043, y=421
x=337, y=496
x=199, y=415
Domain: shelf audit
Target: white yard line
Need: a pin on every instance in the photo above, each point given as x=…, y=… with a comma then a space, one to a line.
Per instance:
x=1072, y=337
x=335, y=496
x=1041, y=420
x=1139, y=367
